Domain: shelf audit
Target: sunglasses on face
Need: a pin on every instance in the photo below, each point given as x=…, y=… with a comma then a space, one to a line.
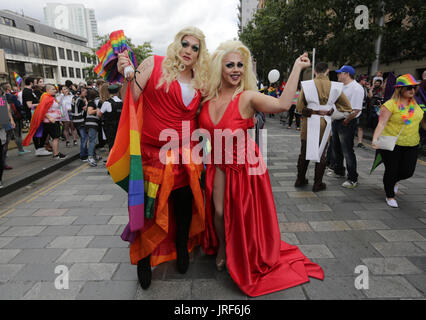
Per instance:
x=195, y=47
x=408, y=88
x=230, y=65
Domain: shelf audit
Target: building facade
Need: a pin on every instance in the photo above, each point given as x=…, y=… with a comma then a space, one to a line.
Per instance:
x=247, y=9
x=73, y=18
x=35, y=49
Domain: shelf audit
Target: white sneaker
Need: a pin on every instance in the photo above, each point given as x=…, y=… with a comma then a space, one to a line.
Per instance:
x=91, y=161
x=42, y=152
x=392, y=203
x=350, y=184
x=332, y=174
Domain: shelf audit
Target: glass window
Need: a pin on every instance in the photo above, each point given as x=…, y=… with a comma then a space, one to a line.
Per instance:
x=89, y=60
x=21, y=47
x=61, y=53
x=78, y=73
x=69, y=54
x=8, y=22
x=82, y=58
x=64, y=72
x=85, y=73
x=7, y=44
x=71, y=71
x=31, y=28
x=48, y=72
x=76, y=57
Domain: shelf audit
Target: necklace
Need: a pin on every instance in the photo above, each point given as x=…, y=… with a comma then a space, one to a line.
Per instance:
x=406, y=117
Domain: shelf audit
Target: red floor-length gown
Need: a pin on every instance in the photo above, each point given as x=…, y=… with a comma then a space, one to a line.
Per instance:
x=258, y=260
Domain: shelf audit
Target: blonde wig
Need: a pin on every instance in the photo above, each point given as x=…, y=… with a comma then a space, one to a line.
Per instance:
x=397, y=94
x=104, y=94
x=248, y=81
x=173, y=63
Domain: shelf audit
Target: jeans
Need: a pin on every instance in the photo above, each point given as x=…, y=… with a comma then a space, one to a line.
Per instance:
x=343, y=148
x=83, y=141
x=93, y=135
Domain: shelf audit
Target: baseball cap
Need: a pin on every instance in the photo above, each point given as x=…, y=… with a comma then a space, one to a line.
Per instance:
x=347, y=69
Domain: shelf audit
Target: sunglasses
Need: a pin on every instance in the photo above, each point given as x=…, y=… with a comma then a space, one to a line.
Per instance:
x=408, y=88
x=195, y=47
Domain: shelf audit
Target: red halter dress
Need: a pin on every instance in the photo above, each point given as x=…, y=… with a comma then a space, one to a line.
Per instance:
x=257, y=260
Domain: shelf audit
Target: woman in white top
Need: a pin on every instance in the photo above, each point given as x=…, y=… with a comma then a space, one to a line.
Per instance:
x=65, y=101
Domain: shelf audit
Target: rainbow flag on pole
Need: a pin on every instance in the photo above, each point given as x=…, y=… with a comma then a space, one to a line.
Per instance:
x=108, y=57
x=125, y=162
x=18, y=79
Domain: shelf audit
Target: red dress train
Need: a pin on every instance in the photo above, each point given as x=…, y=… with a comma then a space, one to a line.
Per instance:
x=258, y=260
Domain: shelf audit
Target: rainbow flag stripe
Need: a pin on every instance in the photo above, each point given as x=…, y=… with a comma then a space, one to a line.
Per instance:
x=406, y=80
x=107, y=55
x=18, y=79
x=125, y=162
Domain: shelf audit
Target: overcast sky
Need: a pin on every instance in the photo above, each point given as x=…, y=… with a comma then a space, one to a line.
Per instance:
x=157, y=20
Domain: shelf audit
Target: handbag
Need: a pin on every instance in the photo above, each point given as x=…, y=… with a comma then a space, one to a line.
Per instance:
x=388, y=142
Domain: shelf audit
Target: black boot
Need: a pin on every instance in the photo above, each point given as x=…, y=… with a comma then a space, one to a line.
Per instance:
x=302, y=167
x=182, y=207
x=319, y=173
x=144, y=272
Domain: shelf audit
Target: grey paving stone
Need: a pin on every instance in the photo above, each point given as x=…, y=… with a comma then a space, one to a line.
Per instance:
x=85, y=212
x=108, y=242
x=312, y=251
x=82, y=255
x=61, y=231
x=406, y=223
x=113, y=211
x=14, y=290
x=92, y=220
x=367, y=224
x=353, y=249
x=38, y=205
x=8, y=271
x=302, y=194
x=313, y=207
x=117, y=255
x=37, y=272
x=391, y=287
x=295, y=293
x=22, y=212
x=418, y=282
x=95, y=230
x=126, y=272
x=50, y=212
x=108, y=290
x=119, y=220
x=29, y=242
x=421, y=245
x=70, y=242
x=47, y=291
x=111, y=204
x=342, y=267
x=92, y=271
x=101, y=197
x=419, y=262
x=57, y=221
x=8, y=254
x=294, y=227
x=290, y=238
x=372, y=214
x=40, y=256
x=221, y=289
x=333, y=288
x=398, y=249
x=165, y=290
x=73, y=205
x=22, y=221
x=390, y=266
x=401, y=235
x=329, y=225
x=5, y=240
x=23, y=231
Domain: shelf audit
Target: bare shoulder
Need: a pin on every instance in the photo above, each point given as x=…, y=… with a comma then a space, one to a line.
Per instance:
x=245, y=103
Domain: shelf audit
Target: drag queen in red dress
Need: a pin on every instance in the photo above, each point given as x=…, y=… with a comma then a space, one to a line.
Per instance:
x=241, y=219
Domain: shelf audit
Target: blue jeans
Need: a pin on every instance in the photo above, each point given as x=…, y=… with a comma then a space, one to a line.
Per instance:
x=93, y=135
x=83, y=141
x=342, y=144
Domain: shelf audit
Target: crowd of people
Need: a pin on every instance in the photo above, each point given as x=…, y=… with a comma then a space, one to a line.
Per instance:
x=222, y=206
x=79, y=114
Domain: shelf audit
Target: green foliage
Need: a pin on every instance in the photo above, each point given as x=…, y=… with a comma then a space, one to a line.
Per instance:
x=280, y=32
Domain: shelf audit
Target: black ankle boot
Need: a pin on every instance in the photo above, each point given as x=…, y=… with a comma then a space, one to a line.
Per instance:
x=144, y=272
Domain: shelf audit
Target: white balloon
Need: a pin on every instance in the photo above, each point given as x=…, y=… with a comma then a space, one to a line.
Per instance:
x=273, y=76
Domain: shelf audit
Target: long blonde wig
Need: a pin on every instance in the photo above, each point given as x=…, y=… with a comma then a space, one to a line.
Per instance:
x=248, y=81
x=173, y=63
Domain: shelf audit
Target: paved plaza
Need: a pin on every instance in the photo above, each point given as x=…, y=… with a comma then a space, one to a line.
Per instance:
x=77, y=221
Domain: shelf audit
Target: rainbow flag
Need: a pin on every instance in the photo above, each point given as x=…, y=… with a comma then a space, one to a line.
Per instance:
x=108, y=57
x=18, y=79
x=125, y=162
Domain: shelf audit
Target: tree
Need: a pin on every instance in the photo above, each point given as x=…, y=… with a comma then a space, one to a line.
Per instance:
x=281, y=31
x=141, y=53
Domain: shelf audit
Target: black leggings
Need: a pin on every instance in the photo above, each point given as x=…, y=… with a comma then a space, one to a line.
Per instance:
x=182, y=207
x=399, y=165
x=291, y=115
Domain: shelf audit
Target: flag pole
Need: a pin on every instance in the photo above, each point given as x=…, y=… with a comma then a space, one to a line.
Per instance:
x=313, y=62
